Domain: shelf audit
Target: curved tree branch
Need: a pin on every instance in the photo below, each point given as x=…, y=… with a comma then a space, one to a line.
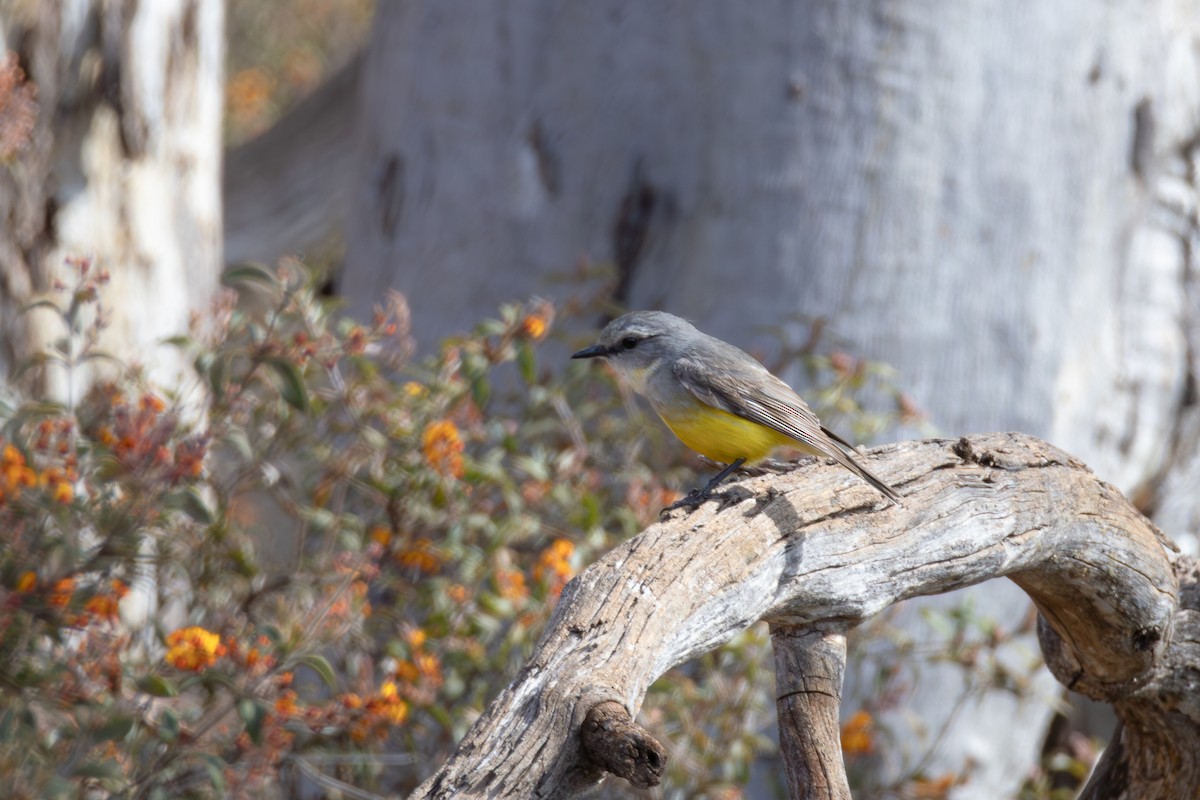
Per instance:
x=815, y=552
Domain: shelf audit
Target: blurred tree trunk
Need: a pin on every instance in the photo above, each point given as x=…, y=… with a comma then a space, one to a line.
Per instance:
x=123, y=166
x=998, y=199
x=286, y=190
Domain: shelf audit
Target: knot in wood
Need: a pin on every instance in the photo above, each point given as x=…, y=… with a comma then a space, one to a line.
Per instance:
x=617, y=744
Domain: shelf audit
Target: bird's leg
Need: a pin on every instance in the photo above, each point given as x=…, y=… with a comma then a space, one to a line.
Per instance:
x=696, y=497
x=720, y=477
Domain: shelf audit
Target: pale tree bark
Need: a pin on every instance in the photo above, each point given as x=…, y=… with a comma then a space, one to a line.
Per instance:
x=997, y=199
x=814, y=552
x=123, y=167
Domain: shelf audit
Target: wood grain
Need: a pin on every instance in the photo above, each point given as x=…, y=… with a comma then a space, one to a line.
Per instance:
x=814, y=552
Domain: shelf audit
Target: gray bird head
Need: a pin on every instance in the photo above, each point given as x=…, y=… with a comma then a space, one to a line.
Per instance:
x=637, y=342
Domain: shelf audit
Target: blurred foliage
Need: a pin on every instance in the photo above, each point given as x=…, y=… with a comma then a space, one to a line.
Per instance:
x=891, y=659
x=277, y=51
x=320, y=563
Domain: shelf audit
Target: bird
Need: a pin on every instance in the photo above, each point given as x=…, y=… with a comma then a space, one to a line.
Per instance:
x=716, y=398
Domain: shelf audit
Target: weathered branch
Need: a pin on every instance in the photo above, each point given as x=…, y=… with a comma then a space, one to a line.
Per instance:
x=810, y=665
x=615, y=743
x=814, y=552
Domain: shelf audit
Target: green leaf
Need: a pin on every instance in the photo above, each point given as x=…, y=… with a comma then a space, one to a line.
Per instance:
x=215, y=766
x=202, y=363
x=237, y=439
x=189, y=501
x=218, y=373
x=291, y=383
x=99, y=355
x=253, y=714
x=168, y=726
x=116, y=729
x=157, y=686
x=480, y=391
x=491, y=327
x=319, y=665
x=527, y=362
x=248, y=273
x=102, y=770
x=322, y=519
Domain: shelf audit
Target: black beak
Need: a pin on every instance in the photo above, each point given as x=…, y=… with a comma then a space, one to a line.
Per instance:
x=595, y=351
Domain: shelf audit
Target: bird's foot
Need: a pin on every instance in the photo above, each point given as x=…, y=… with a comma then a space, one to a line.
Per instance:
x=692, y=500
x=698, y=497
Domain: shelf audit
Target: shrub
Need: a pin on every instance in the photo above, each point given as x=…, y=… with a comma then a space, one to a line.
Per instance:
x=320, y=560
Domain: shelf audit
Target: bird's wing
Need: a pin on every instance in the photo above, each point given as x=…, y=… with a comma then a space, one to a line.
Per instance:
x=750, y=391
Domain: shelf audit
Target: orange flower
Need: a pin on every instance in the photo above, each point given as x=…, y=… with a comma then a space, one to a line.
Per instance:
x=381, y=535
x=934, y=788
x=388, y=704
x=286, y=706
x=407, y=672
x=359, y=731
x=858, y=734
x=14, y=474
x=510, y=583
x=554, y=565
x=535, y=325
x=61, y=595
x=150, y=402
x=253, y=656
x=26, y=583
x=420, y=556
x=102, y=605
x=458, y=593
x=189, y=456
x=194, y=648
x=430, y=667
x=443, y=447
x=58, y=481
x=416, y=638
x=63, y=493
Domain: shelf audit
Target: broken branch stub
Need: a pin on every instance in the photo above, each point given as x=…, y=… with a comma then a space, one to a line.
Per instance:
x=814, y=552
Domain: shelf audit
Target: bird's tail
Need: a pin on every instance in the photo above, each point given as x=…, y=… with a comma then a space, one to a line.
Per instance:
x=858, y=469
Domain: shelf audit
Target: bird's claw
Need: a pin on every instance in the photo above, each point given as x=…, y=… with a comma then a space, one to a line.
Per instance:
x=692, y=500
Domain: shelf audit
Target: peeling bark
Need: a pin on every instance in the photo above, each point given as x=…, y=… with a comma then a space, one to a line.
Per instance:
x=814, y=552
x=123, y=167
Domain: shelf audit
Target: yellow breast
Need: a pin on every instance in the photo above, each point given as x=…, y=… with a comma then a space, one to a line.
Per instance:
x=722, y=436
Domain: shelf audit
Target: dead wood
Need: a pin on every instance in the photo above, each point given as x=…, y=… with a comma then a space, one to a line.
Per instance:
x=814, y=552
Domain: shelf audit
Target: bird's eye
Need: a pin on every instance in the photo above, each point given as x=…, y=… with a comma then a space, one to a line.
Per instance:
x=629, y=342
